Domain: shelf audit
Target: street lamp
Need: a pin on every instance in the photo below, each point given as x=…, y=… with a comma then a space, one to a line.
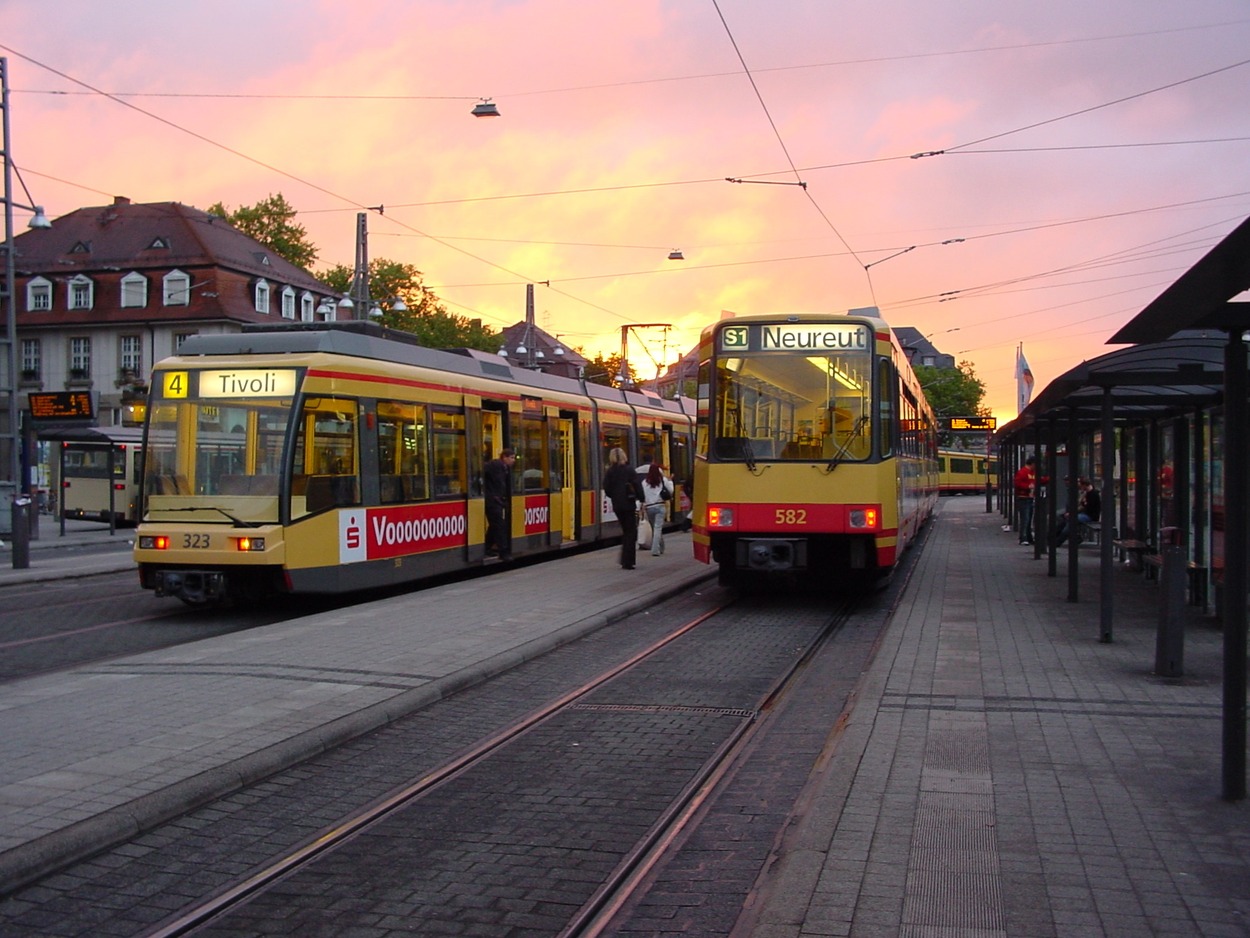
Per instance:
x=13, y=432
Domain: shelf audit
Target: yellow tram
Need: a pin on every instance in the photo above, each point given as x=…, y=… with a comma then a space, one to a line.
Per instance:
x=815, y=453
x=329, y=457
x=966, y=473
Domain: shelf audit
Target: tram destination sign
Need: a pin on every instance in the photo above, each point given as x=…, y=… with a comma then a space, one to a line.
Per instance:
x=972, y=423
x=795, y=337
x=60, y=406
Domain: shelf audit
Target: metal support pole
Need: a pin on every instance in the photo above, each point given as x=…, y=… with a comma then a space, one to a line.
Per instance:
x=1106, y=585
x=1234, y=598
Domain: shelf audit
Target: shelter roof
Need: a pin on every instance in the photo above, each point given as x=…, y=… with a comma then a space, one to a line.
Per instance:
x=1145, y=382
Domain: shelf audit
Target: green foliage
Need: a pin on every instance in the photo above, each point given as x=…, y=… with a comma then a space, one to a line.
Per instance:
x=271, y=222
x=425, y=317
x=605, y=371
x=952, y=392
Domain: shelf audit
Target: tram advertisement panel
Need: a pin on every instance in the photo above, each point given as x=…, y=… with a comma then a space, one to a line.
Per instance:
x=537, y=514
x=396, y=531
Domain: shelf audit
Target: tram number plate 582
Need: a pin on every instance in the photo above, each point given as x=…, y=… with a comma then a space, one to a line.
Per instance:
x=791, y=516
x=195, y=541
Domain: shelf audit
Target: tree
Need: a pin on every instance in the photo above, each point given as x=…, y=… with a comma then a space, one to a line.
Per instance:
x=605, y=371
x=952, y=392
x=271, y=222
x=425, y=317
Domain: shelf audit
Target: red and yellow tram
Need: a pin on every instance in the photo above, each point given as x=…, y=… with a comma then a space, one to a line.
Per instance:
x=330, y=457
x=816, y=452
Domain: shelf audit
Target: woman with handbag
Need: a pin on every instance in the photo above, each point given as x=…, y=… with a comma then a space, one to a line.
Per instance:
x=657, y=490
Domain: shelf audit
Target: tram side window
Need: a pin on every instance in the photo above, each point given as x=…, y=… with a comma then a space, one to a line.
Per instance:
x=533, y=456
x=610, y=437
x=403, y=457
x=326, y=467
x=451, y=472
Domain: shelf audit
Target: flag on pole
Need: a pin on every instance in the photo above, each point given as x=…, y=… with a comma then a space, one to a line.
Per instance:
x=1024, y=380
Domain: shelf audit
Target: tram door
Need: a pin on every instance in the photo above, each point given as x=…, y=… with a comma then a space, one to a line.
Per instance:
x=562, y=460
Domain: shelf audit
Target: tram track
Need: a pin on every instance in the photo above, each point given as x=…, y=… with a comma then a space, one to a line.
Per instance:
x=221, y=904
x=678, y=709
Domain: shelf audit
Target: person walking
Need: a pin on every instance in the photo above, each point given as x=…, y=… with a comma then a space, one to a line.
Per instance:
x=621, y=488
x=497, y=487
x=657, y=490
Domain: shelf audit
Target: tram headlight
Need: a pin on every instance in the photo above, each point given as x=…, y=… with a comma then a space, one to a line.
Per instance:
x=154, y=542
x=719, y=517
x=863, y=518
x=250, y=543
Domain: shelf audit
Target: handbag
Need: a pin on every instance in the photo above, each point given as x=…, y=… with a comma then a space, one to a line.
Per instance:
x=644, y=532
x=666, y=494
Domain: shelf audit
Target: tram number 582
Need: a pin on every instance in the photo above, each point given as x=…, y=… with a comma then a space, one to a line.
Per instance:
x=789, y=516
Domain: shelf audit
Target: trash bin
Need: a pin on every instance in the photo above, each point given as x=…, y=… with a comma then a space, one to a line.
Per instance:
x=7, y=490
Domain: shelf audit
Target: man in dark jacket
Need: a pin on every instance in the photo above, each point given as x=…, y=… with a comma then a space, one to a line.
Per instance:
x=497, y=487
x=620, y=485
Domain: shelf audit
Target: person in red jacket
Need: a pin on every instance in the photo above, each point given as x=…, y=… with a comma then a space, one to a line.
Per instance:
x=1025, y=484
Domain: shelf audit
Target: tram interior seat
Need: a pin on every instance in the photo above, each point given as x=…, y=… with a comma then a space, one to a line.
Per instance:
x=171, y=485
x=415, y=488
x=390, y=489
x=249, y=485
x=730, y=447
x=328, y=491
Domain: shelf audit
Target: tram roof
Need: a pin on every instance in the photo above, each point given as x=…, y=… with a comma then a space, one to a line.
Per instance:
x=1148, y=381
x=372, y=341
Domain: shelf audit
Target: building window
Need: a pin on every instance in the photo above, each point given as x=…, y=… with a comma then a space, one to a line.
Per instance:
x=39, y=294
x=130, y=352
x=81, y=293
x=306, y=306
x=179, y=338
x=288, y=303
x=134, y=290
x=262, y=296
x=32, y=359
x=80, y=357
x=177, y=288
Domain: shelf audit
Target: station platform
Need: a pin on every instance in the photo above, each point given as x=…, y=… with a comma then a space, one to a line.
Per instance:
x=998, y=772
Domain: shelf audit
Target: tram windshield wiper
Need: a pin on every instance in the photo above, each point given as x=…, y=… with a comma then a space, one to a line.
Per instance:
x=836, y=459
x=238, y=522
x=748, y=453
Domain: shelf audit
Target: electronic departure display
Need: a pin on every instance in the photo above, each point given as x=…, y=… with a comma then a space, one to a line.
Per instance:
x=972, y=423
x=61, y=405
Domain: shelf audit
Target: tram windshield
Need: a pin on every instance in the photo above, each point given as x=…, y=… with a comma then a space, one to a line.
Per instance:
x=793, y=405
x=212, y=455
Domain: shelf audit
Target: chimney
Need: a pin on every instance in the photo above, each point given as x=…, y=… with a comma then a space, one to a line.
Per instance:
x=120, y=200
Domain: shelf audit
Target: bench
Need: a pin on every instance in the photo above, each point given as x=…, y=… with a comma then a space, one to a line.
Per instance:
x=1136, y=551
x=1091, y=531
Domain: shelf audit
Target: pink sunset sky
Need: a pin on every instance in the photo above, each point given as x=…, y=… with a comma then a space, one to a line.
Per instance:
x=1090, y=152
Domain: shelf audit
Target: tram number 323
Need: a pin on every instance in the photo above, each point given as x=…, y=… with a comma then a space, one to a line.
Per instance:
x=790, y=516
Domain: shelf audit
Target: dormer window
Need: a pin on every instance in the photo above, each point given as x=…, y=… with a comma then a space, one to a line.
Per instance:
x=176, y=288
x=261, y=258
x=82, y=247
x=306, y=306
x=159, y=243
x=134, y=291
x=288, y=302
x=81, y=293
x=262, y=296
x=39, y=294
